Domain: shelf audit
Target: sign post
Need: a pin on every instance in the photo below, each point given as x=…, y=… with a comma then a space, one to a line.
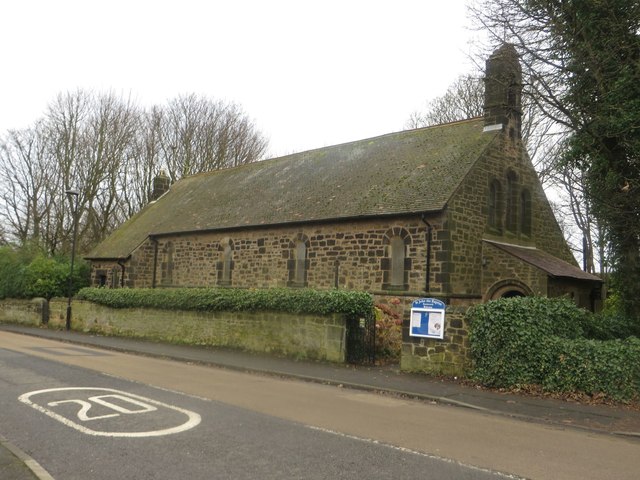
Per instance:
x=427, y=318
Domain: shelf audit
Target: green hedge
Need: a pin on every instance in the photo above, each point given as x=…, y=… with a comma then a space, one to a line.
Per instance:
x=592, y=366
x=540, y=341
x=353, y=304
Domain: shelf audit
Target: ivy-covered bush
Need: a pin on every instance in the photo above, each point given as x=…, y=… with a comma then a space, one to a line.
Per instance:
x=611, y=322
x=353, y=304
x=540, y=341
x=506, y=337
x=593, y=366
x=611, y=326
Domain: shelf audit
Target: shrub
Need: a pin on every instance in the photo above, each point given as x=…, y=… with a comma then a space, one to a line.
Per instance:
x=49, y=277
x=25, y=272
x=538, y=341
x=388, y=333
x=593, y=367
x=12, y=269
x=612, y=323
x=45, y=277
x=611, y=326
x=506, y=337
x=352, y=304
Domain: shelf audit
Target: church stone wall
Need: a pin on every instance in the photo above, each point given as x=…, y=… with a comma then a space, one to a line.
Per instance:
x=347, y=255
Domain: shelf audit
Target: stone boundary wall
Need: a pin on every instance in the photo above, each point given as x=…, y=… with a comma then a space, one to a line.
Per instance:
x=24, y=312
x=300, y=336
x=449, y=356
x=315, y=337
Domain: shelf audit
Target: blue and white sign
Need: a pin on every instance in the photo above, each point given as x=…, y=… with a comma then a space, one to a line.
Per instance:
x=427, y=318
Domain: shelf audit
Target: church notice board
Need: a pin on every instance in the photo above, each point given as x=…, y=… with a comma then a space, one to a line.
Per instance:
x=427, y=318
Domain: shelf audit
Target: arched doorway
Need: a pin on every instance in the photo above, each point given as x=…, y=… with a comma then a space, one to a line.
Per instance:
x=512, y=294
x=507, y=289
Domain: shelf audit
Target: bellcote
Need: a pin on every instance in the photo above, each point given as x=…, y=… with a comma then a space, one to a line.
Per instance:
x=503, y=92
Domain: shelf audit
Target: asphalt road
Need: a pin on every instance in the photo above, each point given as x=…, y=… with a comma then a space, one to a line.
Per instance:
x=247, y=426
x=81, y=424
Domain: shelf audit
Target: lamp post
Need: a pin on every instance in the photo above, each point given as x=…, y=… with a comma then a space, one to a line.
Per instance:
x=73, y=198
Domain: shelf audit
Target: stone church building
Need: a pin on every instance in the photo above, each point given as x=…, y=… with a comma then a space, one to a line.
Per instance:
x=453, y=211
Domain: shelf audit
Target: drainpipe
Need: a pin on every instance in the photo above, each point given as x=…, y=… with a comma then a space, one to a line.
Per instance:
x=155, y=261
x=121, y=263
x=427, y=283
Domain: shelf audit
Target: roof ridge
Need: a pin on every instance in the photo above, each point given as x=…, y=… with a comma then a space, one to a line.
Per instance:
x=328, y=147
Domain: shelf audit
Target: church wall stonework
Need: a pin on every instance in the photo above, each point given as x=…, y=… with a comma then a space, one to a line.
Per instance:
x=347, y=255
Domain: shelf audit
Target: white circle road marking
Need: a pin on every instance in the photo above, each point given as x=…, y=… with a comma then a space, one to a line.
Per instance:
x=193, y=419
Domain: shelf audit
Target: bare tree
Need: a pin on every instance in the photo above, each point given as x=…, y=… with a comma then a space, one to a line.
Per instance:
x=109, y=150
x=143, y=164
x=463, y=99
x=108, y=142
x=200, y=135
x=65, y=122
x=25, y=171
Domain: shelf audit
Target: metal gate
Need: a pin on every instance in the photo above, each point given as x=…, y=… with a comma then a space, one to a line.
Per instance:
x=361, y=340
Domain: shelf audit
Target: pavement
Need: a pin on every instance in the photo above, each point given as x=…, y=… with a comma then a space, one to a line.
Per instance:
x=618, y=420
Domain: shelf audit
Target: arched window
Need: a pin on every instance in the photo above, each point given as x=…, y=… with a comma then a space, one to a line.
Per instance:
x=301, y=260
x=298, y=263
x=396, y=264
x=225, y=264
x=525, y=212
x=512, y=202
x=398, y=253
x=495, y=198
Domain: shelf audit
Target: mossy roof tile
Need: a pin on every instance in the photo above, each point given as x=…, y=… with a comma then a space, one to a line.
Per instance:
x=405, y=172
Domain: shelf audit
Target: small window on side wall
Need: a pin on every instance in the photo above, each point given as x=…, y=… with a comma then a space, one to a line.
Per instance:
x=225, y=264
x=298, y=263
x=494, y=202
x=512, y=202
x=396, y=263
x=525, y=215
x=166, y=267
x=398, y=254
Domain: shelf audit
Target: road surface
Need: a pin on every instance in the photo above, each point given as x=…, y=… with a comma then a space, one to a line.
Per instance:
x=89, y=413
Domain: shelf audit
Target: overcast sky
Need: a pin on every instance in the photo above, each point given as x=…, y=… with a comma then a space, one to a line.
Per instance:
x=310, y=73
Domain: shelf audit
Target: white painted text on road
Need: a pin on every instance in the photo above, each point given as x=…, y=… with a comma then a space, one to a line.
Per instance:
x=116, y=413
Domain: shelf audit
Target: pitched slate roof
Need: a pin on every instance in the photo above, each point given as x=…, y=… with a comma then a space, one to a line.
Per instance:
x=406, y=172
x=546, y=262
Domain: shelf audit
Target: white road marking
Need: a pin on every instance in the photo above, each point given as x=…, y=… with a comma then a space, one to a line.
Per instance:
x=146, y=405
x=34, y=466
x=413, y=452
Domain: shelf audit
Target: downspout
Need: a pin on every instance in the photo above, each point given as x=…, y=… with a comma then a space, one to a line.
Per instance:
x=427, y=283
x=121, y=263
x=155, y=261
